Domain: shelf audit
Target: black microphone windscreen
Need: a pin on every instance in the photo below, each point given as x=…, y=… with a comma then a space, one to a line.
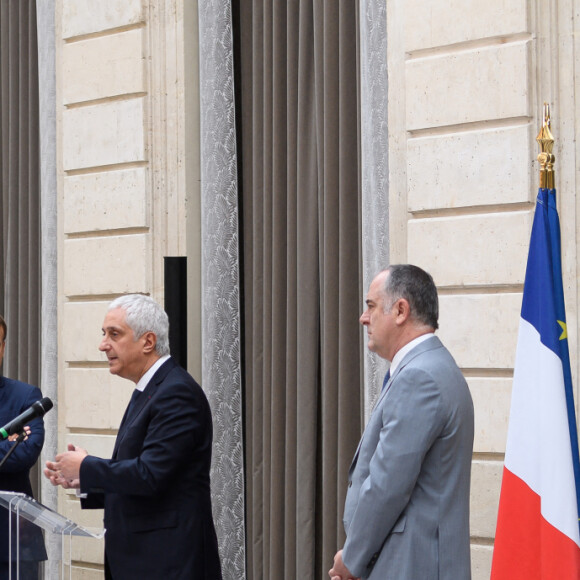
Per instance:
x=46, y=404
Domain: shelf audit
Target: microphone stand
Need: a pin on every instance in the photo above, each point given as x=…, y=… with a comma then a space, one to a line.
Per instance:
x=17, y=442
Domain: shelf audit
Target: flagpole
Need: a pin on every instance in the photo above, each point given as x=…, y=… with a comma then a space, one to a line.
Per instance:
x=546, y=158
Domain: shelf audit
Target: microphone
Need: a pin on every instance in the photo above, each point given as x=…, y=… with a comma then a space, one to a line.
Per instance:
x=38, y=409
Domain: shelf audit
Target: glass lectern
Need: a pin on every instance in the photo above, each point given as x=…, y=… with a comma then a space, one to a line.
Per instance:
x=22, y=508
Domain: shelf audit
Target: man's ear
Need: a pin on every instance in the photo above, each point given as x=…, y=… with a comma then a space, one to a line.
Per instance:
x=403, y=311
x=150, y=342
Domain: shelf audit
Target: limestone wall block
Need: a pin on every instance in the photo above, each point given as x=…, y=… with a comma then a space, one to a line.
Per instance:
x=465, y=87
x=81, y=331
x=489, y=248
x=105, y=201
x=491, y=402
x=485, y=490
x=87, y=573
x=443, y=22
x=104, y=134
x=89, y=518
x=89, y=550
x=475, y=168
x=105, y=66
x=481, y=330
x=481, y=557
x=80, y=17
x=95, y=399
x=107, y=265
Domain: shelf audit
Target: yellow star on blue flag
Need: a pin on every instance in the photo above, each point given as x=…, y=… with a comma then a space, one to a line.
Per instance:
x=564, y=334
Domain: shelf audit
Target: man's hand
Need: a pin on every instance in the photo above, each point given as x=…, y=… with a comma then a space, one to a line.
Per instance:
x=339, y=571
x=23, y=436
x=64, y=470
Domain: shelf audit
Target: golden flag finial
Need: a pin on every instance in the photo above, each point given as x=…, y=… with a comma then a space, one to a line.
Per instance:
x=546, y=141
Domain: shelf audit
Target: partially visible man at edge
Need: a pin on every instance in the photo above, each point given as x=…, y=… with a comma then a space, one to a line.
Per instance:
x=406, y=513
x=156, y=488
x=15, y=398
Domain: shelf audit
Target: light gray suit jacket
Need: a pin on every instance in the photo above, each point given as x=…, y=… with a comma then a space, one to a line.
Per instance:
x=406, y=514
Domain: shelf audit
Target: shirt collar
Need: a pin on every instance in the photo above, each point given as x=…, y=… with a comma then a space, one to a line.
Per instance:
x=406, y=349
x=144, y=380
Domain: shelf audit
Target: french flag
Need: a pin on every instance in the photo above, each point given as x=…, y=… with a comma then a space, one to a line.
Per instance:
x=538, y=527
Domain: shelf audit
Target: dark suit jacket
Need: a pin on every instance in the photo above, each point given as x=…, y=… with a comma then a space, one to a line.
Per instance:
x=156, y=489
x=15, y=398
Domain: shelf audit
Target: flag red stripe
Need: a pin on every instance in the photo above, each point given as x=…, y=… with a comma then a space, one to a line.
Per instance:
x=527, y=547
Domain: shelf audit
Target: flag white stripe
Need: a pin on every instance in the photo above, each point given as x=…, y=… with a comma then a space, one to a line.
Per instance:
x=538, y=443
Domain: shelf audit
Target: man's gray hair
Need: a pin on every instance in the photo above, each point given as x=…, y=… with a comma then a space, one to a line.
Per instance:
x=143, y=315
x=418, y=288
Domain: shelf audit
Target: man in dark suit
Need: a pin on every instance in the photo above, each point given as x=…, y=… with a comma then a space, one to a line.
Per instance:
x=406, y=513
x=15, y=398
x=155, y=489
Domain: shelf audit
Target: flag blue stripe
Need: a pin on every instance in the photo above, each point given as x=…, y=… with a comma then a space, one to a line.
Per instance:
x=538, y=304
x=556, y=247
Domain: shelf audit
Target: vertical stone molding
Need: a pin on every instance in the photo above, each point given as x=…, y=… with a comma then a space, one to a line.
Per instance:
x=374, y=167
x=165, y=62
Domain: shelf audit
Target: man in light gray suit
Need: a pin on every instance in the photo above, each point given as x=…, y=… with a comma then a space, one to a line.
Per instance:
x=406, y=514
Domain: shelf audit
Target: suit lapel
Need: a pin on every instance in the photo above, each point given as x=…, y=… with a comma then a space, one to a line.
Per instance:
x=429, y=344
x=131, y=414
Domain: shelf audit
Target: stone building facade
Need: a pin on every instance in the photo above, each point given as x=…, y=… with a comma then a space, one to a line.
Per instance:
x=462, y=185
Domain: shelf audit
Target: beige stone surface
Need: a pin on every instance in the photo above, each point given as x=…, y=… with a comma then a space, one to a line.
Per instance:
x=471, y=168
x=81, y=330
x=80, y=573
x=106, y=66
x=443, y=22
x=89, y=550
x=106, y=201
x=481, y=557
x=491, y=403
x=71, y=508
x=489, y=248
x=480, y=330
x=485, y=490
x=468, y=86
x=80, y=17
x=107, y=265
x=105, y=134
x=95, y=399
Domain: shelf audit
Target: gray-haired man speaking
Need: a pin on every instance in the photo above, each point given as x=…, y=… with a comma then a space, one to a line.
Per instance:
x=155, y=489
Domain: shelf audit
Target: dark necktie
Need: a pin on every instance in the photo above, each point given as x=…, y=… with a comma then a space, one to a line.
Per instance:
x=133, y=400
x=128, y=410
x=386, y=380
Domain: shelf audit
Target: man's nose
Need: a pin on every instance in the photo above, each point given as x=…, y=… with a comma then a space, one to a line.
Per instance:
x=364, y=318
x=104, y=344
